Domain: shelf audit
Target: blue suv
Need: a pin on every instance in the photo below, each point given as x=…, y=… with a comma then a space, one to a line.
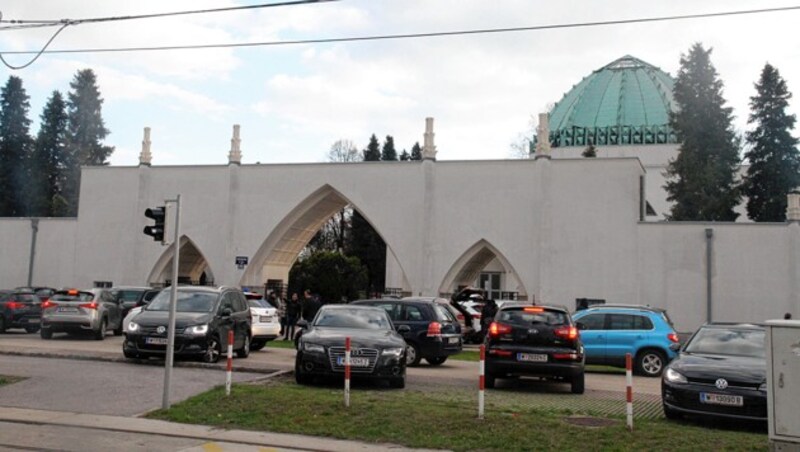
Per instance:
x=609, y=332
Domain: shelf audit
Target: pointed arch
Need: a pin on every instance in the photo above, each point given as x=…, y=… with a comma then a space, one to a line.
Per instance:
x=192, y=265
x=283, y=244
x=468, y=266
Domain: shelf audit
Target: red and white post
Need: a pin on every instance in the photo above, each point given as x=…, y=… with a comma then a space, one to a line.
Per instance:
x=481, y=381
x=629, y=390
x=347, y=372
x=229, y=370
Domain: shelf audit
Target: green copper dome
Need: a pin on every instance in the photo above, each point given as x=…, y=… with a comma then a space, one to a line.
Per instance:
x=625, y=102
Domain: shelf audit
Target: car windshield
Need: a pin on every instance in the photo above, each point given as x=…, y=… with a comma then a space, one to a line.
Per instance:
x=258, y=303
x=532, y=315
x=353, y=318
x=73, y=296
x=187, y=301
x=128, y=295
x=733, y=342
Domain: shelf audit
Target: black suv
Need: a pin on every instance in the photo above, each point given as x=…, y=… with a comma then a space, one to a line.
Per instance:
x=433, y=332
x=20, y=309
x=540, y=341
x=204, y=317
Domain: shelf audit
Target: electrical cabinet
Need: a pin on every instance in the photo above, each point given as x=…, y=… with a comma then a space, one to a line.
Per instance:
x=783, y=383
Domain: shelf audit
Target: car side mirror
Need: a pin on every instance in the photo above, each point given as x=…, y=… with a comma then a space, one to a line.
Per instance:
x=302, y=323
x=227, y=312
x=402, y=329
x=580, y=325
x=675, y=347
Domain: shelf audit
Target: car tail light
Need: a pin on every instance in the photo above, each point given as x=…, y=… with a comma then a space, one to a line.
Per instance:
x=460, y=317
x=533, y=309
x=14, y=305
x=572, y=356
x=434, y=329
x=500, y=352
x=567, y=332
x=673, y=337
x=498, y=329
x=92, y=305
x=48, y=304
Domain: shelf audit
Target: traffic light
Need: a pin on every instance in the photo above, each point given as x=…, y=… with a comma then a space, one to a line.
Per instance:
x=159, y=214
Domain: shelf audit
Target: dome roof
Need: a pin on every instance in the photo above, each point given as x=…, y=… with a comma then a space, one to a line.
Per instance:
x=625, y=102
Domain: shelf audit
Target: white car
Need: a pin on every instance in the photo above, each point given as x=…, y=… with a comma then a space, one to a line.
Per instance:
x=266, y=324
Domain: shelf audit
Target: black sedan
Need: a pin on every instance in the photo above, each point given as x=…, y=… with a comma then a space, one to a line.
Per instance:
x=376, y=350
x=721, y=372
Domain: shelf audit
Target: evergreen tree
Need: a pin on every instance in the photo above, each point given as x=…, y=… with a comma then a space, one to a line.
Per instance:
x=373, y=151
x=15, y=148
x=702, y=178
x=774, y=159
x=590, y=150
x=416, y=152
x=388, y=154
x=366, y=244
x=86, y=132
x=47, y=161
x=405, y=156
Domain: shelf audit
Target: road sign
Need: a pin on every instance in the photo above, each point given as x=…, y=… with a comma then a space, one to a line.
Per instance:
x=241, y=261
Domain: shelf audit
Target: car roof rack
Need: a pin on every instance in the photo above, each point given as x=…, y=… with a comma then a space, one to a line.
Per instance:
x=626, y=306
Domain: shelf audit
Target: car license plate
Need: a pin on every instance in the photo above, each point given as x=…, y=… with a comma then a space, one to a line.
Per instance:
x=354, y=362
x=34, y=320
x=721, y=399
x=532, y=357
x=156, y=340
x=453, y=340
x=266, y=319
x=67, y=309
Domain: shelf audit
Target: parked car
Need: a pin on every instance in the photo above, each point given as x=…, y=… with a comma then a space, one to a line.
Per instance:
x=609, y=332
x=433, y=333
x=129, y=297
x=204, y=315
x=20, y=309
x=460, y=313
x=376, y=350
x=266, y=324
x=146, y=298
x=720, y=372
x=76, y=311
x=43, y=293
x=540, y=341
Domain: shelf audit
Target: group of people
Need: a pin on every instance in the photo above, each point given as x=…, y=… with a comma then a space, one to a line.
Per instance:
x=292, y=310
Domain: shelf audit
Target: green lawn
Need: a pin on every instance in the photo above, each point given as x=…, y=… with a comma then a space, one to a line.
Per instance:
x=7, y=380
x=280, y=344
x=436, y=420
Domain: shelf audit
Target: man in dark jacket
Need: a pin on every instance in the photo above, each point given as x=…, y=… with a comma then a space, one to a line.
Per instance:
x=292, y=315
x=310, y=306
x=487, y=315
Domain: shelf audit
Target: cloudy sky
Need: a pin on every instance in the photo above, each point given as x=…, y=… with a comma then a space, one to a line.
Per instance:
x=294, y=101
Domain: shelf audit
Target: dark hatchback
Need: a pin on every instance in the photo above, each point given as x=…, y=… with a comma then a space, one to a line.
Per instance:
x=131, y=297
x=376, y=350
x=20, y=309
x=203, y=318
x=721, y=372
x=539, y=341
x=433, y=332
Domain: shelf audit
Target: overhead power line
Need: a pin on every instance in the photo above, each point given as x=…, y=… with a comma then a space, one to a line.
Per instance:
x=414, y=35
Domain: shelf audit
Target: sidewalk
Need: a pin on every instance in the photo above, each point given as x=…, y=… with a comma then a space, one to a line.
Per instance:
x=199, y=432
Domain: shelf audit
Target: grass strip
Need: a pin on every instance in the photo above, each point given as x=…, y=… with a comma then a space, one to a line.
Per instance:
x=7, y=379
x=436, y=420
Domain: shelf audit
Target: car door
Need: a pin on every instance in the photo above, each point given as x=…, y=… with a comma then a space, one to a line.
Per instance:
x=415, y=317
x=593, y=336
x=226, y=322
x=112, y=307
x=242, y=318
x=623, y=336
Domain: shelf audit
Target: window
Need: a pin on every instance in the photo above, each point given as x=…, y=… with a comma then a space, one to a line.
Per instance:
x=491, y=283
x=413, y=313
x=641, y=322
x=103, y=284
x=392, y=310
x=630, y=322
x=594, y=321
x=443, y=314
x=239, y=302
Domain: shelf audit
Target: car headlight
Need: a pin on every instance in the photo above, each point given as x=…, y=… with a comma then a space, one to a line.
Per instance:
x=392, y=351
x=133, y=326
x=673, y=376
x=763, y=387
x=198, y=330
x=313, y=348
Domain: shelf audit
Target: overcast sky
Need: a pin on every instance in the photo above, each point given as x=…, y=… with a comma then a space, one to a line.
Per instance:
x=294, y=101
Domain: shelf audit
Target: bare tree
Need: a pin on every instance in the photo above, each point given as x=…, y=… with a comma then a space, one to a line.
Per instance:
x=344, y=151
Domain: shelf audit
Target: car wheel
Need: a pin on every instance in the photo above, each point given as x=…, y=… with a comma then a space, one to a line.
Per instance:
x=257, y=345
x=101, y=333
x=46, y=334
x=412, y=355
x=437, y=361
x=299, y=376
x=244, y=352
x=2, y=324
x=31, y=329
x=671, y=414
x=489, y=380
x=213, y=351
x=650, y=363
x=129, y=355
x=397, y=382
x=577, y=384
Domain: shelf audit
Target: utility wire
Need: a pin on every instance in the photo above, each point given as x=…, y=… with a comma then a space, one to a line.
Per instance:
x=38, y=54
x=422, y=35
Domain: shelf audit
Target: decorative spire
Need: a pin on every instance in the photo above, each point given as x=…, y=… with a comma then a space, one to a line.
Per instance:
x=235, y=156
x=543, y=137
x=793, y=206
x=428, y=149
x=145, y=157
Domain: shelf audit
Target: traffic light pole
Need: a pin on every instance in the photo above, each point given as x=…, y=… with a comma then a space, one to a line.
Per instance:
x=173, y=301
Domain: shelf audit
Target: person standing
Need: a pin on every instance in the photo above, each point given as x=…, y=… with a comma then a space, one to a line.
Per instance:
x=279, y=304
x=310, y=306
x=292, y=314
